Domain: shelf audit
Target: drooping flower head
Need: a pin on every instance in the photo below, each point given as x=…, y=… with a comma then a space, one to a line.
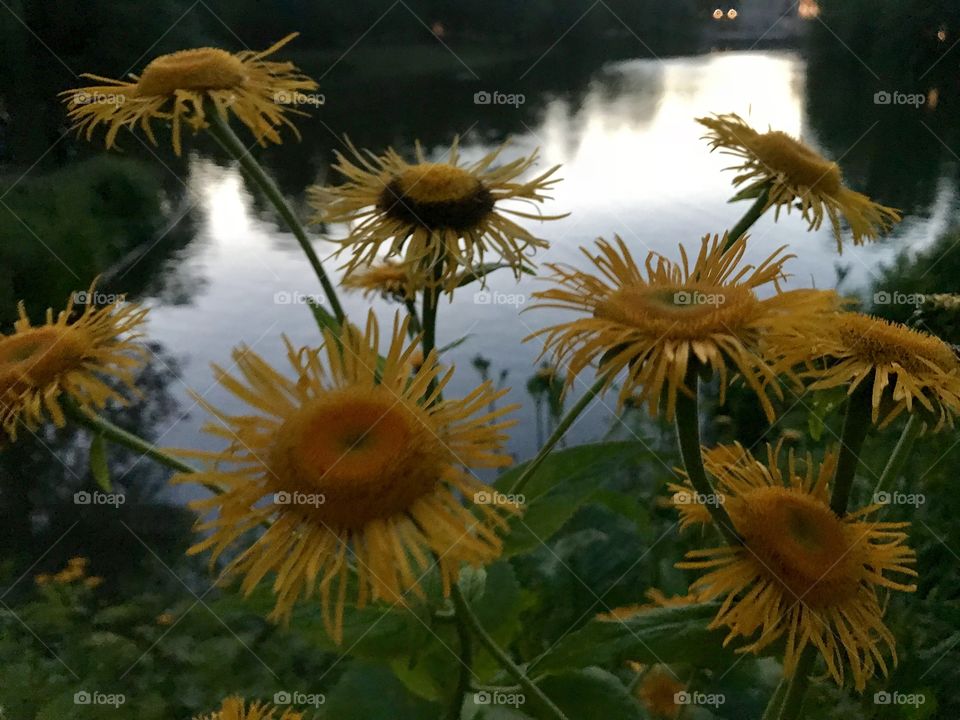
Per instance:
x=235, y=708
x=909, y=370
x=359, y=468
x=180, y=86
x=74, y=357
x=795, y=174
x=429, y=213
x=655, y=322
x=387, y=279
x=802, y=575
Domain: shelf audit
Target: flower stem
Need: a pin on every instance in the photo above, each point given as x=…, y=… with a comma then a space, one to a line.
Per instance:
x=466, y=671
x=556, y=437
x=856, y=424
x=688, y=436
x=221, y=131
x=797, y=689
x=414, y=327
x=899, y=455
x=775, y=706
x=121, y=437
x=501, y=656
x=746, y=222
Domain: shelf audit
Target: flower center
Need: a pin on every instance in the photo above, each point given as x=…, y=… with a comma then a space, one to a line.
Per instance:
x=36, y=357
x=881, y=343
x=800, y=543
x=355, y=455
x=683, y=313
x=804, y=167
x=437, y=196
x=198, y=69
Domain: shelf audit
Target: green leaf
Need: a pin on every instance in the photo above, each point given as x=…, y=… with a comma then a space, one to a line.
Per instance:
x=589, y=693
x=485, y=269
x=667, y=635
x=368, y=691
x=98, y=463
x=751, y=192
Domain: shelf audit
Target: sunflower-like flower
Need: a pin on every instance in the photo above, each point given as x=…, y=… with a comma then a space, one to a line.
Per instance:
x=658, y=324
x=439, y=218
x=387, y=279
x=70, y=357
x=235, y=708
x=178, y=87
x=356, y=461
x=802, y=574
x=794, y=173
x=908, y=369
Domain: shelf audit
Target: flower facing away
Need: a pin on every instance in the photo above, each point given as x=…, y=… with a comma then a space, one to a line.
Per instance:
x=794, y=173
x=359, y=470
x=387, y=279
x=655, y=325
x=658, y=692
x=802, y=574
x=909, y=369
x=440, y=219
x=70, y=357
x=179, y=87
x=234, y=708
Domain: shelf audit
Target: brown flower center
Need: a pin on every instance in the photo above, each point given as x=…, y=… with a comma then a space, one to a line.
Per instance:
x=804, y=167
x=199, y=69
x=877, y=342
x=437, y=196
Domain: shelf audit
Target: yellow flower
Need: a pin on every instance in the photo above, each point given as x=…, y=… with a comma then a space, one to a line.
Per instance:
x=795, y=174
x=234, y=708
x=657, y=691
x=656, y=325
x=182, y=86
x=387, y=279
x=69, y=357
x=93, y=582
x=430, y=213
x=908, y=369
x=43, y=579
x=802, y=574
x=355, y=466
x=166, y=619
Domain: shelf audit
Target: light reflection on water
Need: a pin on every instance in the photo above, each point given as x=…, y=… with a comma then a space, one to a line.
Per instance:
x=633, y=164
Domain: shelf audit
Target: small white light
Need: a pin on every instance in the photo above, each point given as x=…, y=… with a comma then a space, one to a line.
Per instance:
x=732, y=14
x=717, y=14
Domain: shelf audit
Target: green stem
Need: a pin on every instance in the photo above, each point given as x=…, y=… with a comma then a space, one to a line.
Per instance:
x=746, y=222
x=775, y=706
x=466, y=660
x=501, y=656
x=797, y=689
x=414, y=327
x=556, y=437
x=221, y=131
x=688, y=436
x=899, y=455
x=120, y=436
x=856, y=424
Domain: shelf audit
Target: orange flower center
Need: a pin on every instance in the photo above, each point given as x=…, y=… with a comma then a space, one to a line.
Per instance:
x=437, y=196
x=437, y=182
x=781, y=153
x=800, y=543
x=353, y=456
x=199, y=69
x=881, y=343
x=38, y=356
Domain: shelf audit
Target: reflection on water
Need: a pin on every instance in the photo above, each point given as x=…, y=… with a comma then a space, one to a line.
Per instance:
x=633, y=165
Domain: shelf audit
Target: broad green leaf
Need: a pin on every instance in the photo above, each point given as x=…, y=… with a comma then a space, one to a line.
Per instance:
x=367, y=691
x=588, y=693
x=485, y=269
x=668, y=635
x=98, y=463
